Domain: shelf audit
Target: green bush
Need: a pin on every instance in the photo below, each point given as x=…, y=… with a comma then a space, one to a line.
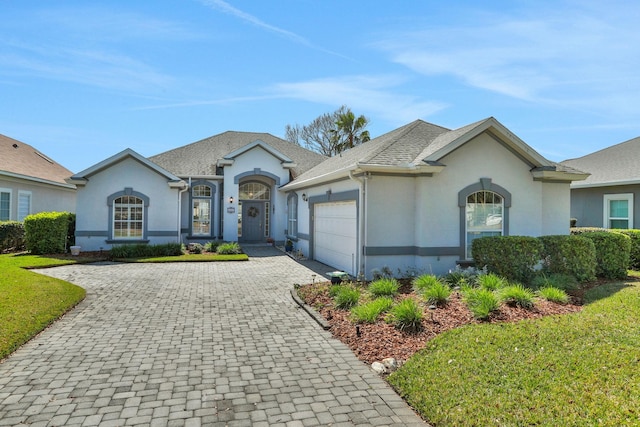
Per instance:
x=481, y=302
x=11, y=236
x=145, y=251
x=438, y=293
x=369, y=312
x=346, y=297
x=491, y=282
x=612, y=254
x=512, y=257
x=212, y=246
x=570, y=254
x=230, y=248
x=634, y=254
x=517, y=295
x=406, y=315
x=424, y=281
x=553, y=294
x=384, y=287
x=46, y=232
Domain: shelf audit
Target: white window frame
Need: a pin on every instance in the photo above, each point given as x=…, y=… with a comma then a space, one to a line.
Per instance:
x=10, y=192
x=128, y=221
x=22, y=215
x=292, y=215
x=606, y=214
x=484, y=230
x=201, y=193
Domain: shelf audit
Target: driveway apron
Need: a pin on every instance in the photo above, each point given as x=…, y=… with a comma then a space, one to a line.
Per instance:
x=191, y=344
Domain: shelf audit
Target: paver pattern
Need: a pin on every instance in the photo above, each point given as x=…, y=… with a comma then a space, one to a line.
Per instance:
x=192, y=344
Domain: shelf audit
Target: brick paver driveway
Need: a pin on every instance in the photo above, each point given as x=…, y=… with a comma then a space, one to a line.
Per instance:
x=192, y=344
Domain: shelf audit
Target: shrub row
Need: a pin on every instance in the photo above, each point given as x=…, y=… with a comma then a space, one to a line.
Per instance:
x=583, y=255
x=11, y=236
x=48, y=232
x=141, y=251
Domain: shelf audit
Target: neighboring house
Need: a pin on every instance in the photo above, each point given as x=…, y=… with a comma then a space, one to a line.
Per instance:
x=412, y=199
x=609, y=197
x=31, y=182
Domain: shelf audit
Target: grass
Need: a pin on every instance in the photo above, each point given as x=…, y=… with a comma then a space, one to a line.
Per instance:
x=384, y=288
x=346, y=297
x=438, y=293
x=517, y=295
x=481, y=302
x=406, y=315
x=579, y=369
x=369, y=312
x=554, y=294
x=29, y=302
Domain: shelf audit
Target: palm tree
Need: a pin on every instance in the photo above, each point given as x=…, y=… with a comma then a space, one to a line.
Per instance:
x=350, y=130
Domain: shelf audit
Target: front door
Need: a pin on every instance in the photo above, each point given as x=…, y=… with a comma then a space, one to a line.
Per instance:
x=252, y=221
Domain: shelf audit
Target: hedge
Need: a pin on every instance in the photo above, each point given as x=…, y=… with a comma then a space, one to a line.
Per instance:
x=567, y=254
x=613, y=251
x=634, y=255
x=11, y=236
x=512, y=257
x=46, y=232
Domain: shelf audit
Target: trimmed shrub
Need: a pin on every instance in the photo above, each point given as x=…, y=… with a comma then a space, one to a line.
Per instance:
x=384, y=287
x=230, y=248
x=11, y=236
x=571, y=254
x=369, y=312
x=144, y=251
x=481, y=302
x=46, y=232
x=634, y=254
x=612, y=254
x=512, y=257
x=517, y=295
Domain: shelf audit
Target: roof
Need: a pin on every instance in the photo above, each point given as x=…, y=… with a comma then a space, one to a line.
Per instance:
x=201, y=157
x=615, y=165
x=81, y=178
x=419, y=147
x=21, y=160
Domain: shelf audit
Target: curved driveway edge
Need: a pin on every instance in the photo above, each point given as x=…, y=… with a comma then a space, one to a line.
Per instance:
x=192, y=344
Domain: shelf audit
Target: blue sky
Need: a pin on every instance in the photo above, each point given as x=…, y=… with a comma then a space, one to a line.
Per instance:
x=83, y=80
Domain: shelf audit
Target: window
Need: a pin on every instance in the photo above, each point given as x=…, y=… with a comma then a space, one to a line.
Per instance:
x=292, y=215
x=128, y=214
x=5, y=204
x=254, y=191
x=24, y=204
x=201, y=208
x=618, y=211
x=484, y=217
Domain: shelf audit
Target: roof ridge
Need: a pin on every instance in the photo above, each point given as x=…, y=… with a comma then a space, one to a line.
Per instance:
x=637, y=138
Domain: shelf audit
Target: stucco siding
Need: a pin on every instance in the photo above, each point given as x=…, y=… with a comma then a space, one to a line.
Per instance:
x=587, y=204
x=44, y=198
x=391, y=211
x=555, y=208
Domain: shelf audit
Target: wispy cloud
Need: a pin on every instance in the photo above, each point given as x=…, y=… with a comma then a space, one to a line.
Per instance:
x=574, y=56
x=368, y=94
x=230, y=10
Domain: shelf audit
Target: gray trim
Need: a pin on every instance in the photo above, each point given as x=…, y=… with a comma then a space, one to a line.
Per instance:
x=126, y=242
x=485, y=184
x=211, y=206
x=128, y=191
x=161, y=233
x=303, y=236
x=328, y=197
x=91, y=233
x=412, y=250
x=256, y=171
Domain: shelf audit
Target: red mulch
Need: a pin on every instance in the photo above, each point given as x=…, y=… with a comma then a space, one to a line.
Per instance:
x=381, y=340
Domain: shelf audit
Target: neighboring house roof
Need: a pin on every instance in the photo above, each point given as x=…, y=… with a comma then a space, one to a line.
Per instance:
x=419, y=147
x=20, y=160
x=82, y=177
x=201, y=158
x=615, y=165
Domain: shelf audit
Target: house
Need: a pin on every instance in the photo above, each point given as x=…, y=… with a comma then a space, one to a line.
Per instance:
x=412, y=199
x=31, y=182
x=608, y=197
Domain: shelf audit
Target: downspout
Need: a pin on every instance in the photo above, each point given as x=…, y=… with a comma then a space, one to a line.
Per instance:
x=180, y=210
x=362, y=224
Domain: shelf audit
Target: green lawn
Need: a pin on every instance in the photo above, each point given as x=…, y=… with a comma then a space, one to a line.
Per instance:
x=29, y=302
x=579, y=369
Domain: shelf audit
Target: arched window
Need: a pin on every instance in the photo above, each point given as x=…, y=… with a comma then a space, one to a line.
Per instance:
x=128, y=217
x=254, y=191
x=484, y=216
x=201, y=210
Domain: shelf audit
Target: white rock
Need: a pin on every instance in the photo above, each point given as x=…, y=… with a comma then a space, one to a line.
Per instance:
x=378, y=368
x=390, y=363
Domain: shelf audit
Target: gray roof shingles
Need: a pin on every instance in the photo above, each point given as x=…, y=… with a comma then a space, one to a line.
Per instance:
x=620, y=162
x=19, y=158
x=201, y=157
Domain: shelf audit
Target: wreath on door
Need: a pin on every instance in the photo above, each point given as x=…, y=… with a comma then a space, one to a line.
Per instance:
x=252, y=212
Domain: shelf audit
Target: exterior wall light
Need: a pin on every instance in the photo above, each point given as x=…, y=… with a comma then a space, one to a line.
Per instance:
x=305, y=197
x=231, y=200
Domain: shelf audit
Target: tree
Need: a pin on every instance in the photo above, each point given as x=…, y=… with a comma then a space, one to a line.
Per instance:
x=330, y=133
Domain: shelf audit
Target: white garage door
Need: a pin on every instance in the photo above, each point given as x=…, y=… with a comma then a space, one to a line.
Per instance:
x=335, y=235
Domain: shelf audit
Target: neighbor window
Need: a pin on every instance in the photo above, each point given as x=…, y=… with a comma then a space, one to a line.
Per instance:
x=618, y=211
x=201, y=208
x=292, y=215
x=484, y=217
x=5, y=205
x=24, y=204
x=128, y=214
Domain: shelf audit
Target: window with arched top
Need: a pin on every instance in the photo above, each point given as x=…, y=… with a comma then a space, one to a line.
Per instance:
x=484, y=217
x=128, y=217
x=254, y=191
x=201, y=203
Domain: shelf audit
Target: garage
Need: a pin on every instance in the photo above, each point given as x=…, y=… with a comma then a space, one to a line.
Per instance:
x=335, y=236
